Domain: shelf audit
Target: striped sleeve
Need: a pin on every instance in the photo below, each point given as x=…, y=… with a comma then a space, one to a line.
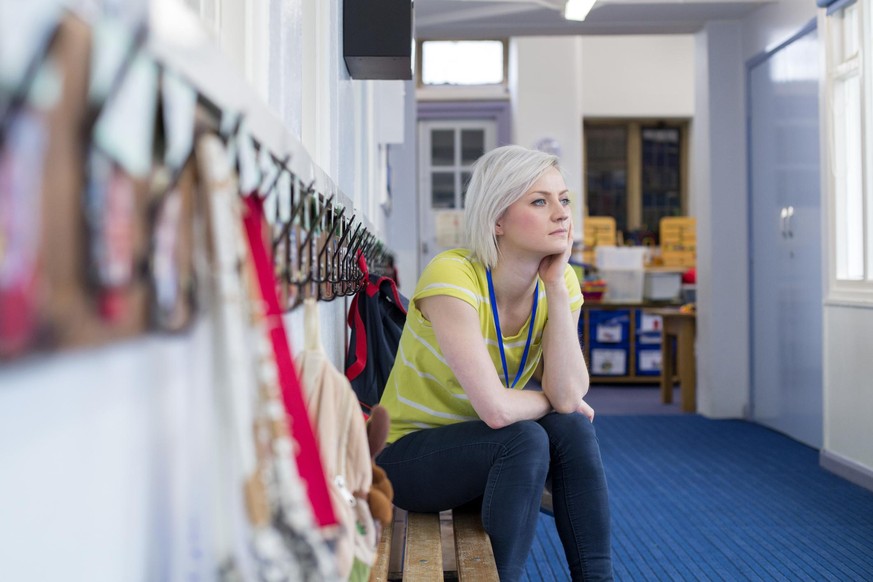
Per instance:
x=573, y=288
x=452, y=275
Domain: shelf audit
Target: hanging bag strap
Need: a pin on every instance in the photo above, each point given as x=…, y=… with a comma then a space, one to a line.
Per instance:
x=299, y=424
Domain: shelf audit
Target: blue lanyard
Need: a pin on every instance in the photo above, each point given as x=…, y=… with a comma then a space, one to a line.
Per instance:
x=533, y=316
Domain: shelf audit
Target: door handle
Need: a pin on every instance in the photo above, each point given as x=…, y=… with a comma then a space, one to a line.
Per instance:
x=783, y=220
x=790, y=215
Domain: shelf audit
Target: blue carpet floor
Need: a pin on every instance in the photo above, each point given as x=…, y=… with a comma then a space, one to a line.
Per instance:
x=698, y=499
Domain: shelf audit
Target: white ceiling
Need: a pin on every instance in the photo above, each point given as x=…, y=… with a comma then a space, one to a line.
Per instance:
x=485, y=19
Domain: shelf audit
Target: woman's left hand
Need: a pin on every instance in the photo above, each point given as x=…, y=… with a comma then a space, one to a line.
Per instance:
x=552, y=267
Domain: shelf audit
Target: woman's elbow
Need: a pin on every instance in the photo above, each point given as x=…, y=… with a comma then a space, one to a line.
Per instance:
x=494, y=414
x=495, y=419
x=566, y=402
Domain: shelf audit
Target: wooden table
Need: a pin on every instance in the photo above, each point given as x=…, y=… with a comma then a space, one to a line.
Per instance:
x=681, y=326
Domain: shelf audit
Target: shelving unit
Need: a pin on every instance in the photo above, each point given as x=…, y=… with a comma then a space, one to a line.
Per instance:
x=621, y=343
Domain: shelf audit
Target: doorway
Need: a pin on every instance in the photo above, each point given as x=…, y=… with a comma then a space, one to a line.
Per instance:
x=447, y=151
x=786, y=240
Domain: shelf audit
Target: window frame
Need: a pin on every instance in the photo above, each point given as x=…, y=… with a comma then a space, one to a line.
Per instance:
x=634, y=128
x=457, y=92
x=848, y=291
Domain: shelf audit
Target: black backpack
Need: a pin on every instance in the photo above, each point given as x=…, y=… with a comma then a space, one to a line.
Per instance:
x=376, y=318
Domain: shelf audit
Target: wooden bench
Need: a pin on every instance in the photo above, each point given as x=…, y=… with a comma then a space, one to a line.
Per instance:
x=412, y=549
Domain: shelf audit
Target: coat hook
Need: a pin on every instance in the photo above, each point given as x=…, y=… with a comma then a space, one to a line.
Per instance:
x=334, y=262
x=350, y=260
x=310, y=278
x=95, y=110
x=346, y=251
x=320, y=255
x=272, y=187
x=328, y=290
x=297, y=207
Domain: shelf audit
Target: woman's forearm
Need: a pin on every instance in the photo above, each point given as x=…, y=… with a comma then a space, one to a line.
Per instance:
x=456, y=326
x=565, y=375
x=516, y=405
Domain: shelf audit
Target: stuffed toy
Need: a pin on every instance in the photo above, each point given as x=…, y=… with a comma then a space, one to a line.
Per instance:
x=381, y=494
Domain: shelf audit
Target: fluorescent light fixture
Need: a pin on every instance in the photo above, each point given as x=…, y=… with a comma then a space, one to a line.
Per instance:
x=578, y=9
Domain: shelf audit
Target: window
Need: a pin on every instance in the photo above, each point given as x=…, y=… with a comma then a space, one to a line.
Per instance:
x=635, y=172
x=467, y=70
x=850, y=155
x=462, y=63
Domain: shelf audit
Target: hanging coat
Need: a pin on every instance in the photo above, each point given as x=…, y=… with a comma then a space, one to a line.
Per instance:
x=342, y=437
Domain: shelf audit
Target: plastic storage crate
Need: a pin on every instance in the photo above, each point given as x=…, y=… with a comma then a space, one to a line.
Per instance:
x=622, y=270
x=662, y=285
x=623, y=285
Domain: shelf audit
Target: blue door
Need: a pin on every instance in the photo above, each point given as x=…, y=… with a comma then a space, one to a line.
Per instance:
x=786, y=241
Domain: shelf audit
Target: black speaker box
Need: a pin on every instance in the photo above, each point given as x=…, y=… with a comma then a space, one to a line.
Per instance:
x=377, y=38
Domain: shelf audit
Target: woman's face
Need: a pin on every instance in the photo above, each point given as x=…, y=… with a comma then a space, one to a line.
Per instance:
x=539, y=222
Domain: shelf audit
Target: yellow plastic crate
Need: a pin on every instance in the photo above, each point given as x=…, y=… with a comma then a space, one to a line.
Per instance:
x=597, y=230
x=678, y=241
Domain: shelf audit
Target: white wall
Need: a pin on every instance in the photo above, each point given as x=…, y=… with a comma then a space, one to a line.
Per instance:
x=638, y=76
x=105, y=463
x=401, y=224
x=848, y=388
x=286, y=62
x=557, y=81
x=718, y=192
x=773, y=24
x=106, y=455
x=546, y=102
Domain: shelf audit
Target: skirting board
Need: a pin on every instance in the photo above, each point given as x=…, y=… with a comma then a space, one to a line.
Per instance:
x=847, y=469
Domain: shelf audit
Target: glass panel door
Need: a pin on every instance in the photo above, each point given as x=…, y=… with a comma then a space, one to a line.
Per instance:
x=448, y=149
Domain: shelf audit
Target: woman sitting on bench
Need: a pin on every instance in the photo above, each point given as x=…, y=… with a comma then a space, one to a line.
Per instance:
x=481, y=323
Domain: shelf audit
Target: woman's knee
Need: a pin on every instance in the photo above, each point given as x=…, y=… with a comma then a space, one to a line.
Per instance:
x=573, y=430
x=527, y=439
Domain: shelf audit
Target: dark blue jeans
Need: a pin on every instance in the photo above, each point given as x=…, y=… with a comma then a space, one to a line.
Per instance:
x=442, y=468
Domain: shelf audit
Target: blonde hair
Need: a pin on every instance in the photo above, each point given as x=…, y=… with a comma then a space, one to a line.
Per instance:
x=500, y=177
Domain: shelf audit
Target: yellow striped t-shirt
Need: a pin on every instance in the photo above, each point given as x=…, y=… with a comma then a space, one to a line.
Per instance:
x=422, y=391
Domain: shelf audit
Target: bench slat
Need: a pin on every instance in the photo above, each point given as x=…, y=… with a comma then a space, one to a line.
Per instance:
x=423, y=559
x=379, y=573
x=473, y=548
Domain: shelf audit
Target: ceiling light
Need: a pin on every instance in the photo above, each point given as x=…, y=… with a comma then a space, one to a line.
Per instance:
x=577, y=9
